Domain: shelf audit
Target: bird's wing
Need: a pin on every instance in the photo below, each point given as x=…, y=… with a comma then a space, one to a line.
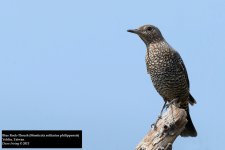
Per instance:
x=182, y=66
x=192, y=101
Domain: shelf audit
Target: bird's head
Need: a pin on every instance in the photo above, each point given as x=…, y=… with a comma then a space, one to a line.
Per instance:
x=148, y=33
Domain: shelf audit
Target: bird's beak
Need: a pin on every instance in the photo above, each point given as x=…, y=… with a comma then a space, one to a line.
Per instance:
x=136, y=31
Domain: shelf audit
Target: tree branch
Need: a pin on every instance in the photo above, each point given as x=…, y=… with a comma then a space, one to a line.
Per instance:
x=167, y=129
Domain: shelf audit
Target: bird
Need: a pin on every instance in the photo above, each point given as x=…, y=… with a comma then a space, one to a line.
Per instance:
x=168, y=72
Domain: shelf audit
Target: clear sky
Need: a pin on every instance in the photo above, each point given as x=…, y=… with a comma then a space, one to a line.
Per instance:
x=69, y=64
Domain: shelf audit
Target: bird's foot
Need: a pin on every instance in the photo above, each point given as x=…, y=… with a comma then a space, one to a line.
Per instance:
x=154, y=124
x=171, y=102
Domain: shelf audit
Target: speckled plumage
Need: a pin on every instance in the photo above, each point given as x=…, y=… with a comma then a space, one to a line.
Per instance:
x=167, y=70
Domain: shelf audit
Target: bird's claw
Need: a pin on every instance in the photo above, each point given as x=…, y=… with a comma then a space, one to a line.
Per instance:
x=154, y=124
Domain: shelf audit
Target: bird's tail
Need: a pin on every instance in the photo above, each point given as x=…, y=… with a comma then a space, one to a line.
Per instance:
x=189, y=129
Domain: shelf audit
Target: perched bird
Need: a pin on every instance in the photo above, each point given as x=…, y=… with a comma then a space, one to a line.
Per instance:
x=167, y=71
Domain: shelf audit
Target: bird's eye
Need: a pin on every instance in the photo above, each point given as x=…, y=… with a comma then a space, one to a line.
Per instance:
x=149, y=28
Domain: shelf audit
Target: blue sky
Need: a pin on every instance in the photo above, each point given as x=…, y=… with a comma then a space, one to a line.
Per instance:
x=72, y=65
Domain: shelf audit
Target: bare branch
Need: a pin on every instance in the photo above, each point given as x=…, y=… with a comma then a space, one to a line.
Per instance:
x=167, y=129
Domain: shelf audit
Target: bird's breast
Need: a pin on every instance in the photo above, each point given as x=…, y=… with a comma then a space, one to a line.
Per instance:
x=159, y=61
x=168, y=79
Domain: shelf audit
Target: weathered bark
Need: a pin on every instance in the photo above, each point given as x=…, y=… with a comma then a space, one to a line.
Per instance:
x=167, y=129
